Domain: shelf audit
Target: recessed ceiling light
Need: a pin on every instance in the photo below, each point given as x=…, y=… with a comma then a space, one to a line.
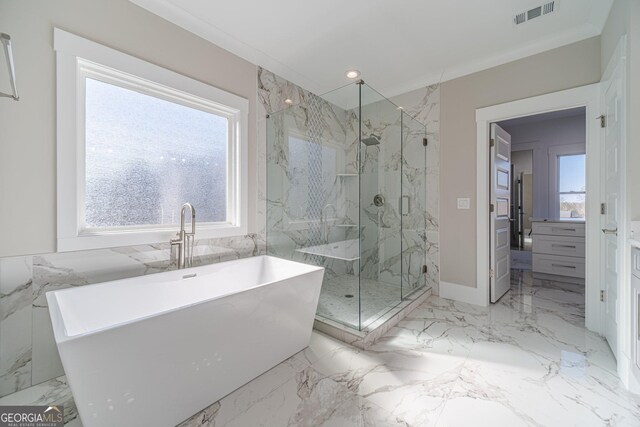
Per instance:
x=288, y=101
x=352, y=74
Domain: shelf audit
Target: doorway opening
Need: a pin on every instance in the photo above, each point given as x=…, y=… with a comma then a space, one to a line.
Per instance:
x=548, y=185
x=587, y=97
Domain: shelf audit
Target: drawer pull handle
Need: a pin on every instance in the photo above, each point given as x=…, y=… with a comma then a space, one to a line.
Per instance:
x=563, y=266
x=563, y=246
x=565, y=229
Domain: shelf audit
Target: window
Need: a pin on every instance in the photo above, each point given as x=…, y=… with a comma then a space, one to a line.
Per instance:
x=312, y=173
x=135, y=142
x=572, y=185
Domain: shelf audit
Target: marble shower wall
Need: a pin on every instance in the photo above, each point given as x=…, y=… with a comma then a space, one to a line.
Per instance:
x=28, y=354
x=380, y=168
x=319, y=130
x=420, y=233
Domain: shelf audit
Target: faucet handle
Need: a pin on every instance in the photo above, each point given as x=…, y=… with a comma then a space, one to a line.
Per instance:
x=177, y=240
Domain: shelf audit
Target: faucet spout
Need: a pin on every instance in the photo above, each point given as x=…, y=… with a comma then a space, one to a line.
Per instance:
x=184, y=240
x=183, y=211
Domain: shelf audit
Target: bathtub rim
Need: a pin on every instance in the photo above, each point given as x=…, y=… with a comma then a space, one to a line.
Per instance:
x=57, y=320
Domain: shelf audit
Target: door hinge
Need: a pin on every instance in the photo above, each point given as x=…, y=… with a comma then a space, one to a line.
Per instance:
x=425, y=269
x=425, y=141
x=491, y=207
x=603, y=120
x=603, y=208
x=492, y=273
x=492, y=142
x=603, y=296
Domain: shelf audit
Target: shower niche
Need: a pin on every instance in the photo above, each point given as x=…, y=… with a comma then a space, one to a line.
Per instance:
x=346, y=190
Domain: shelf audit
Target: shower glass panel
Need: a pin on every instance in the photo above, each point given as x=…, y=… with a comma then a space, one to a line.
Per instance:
x=341, y=194
x=380, y=203
x=414, y=205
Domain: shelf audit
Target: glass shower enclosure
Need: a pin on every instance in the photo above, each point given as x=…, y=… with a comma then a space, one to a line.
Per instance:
x=346, y=190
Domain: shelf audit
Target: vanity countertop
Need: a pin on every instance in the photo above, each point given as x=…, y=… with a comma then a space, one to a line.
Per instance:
x=564, y=220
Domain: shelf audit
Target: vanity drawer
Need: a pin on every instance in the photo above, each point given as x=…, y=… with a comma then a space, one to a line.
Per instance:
x=558, y=229
x=558, y=265
x=559, y=245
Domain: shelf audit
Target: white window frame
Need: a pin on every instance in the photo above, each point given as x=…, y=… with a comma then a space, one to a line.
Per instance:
x=554, y=172
x=78, y=58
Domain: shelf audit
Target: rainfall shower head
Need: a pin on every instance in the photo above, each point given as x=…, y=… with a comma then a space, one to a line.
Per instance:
x=372, y=140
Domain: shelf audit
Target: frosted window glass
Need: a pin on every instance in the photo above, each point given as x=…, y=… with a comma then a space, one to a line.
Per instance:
x=145, y=157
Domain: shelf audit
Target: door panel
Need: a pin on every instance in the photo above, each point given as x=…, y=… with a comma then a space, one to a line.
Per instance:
x=611, y=259
x=500, y=189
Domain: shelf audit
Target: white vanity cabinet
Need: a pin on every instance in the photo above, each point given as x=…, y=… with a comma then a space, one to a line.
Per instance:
x=559, y=247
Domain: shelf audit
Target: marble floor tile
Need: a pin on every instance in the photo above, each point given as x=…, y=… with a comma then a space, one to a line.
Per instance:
x=527, y=360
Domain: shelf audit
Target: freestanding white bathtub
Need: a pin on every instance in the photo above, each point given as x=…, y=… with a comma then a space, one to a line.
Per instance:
x=154, y=350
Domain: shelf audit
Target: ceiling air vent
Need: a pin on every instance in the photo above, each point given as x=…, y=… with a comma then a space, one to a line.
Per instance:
x=535, y=12
x=548, y=8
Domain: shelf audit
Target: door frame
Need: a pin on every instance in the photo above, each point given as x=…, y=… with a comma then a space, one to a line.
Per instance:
x=585, y=96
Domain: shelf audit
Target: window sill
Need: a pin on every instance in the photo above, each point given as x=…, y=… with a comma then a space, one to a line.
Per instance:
x=110, y=239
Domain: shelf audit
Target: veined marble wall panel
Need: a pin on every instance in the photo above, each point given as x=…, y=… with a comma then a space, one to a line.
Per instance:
x=16, y=298
x=420, y=230
x=294, y=219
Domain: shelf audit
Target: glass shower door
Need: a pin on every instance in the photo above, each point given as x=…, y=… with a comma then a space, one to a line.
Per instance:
x=414, y=206
x=380, y=201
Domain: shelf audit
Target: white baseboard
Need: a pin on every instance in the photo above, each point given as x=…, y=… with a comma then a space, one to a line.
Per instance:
x=462, y=293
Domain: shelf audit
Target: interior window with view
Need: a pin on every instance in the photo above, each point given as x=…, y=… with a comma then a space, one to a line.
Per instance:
x=146, y=156
x=572, y=185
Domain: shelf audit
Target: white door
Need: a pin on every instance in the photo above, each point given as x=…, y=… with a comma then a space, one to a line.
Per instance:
x=500, y=185
x=612, y=160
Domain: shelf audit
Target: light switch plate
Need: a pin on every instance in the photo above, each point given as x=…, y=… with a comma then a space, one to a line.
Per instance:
x=464, y=203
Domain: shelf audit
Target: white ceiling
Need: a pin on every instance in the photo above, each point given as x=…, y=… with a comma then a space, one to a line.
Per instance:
x=397, y=45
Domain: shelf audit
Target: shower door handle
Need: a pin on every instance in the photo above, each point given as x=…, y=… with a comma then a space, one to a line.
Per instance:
x=405, y=205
